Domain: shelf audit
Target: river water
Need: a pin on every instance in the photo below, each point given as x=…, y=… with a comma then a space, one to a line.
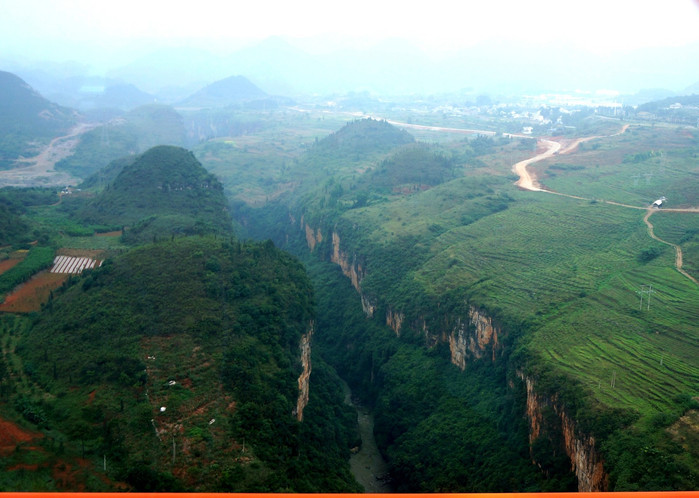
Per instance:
x=367, y=465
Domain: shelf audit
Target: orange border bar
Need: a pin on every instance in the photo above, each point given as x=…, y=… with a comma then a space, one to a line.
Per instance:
x=624, y=494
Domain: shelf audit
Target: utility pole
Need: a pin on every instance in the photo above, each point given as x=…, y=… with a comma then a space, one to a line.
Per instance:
x=645, y=289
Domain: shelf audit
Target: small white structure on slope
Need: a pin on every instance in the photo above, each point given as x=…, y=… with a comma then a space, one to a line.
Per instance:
x=658, y=204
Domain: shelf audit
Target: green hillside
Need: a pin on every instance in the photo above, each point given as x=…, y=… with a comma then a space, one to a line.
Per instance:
x=15, y=226
x=560, y=276
x=161, y=192
x=27, y=120
x=130, y=134
x=208, y=330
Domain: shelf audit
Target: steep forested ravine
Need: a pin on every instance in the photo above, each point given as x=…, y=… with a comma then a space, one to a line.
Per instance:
x=476, y=352
x=367, y=463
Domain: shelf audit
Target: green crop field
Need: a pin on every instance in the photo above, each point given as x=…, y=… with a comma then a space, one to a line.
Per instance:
x=636, y=167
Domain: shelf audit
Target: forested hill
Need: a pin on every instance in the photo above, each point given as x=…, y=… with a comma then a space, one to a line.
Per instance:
x=363, y=136
x=27, y=119
x=163, y=191
x=183, y=372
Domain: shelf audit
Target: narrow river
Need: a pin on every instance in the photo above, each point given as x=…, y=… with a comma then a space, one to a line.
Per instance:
x=367, y=465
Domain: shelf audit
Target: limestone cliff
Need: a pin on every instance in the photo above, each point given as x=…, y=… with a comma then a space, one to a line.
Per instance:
x=394, y=319
x=473, y=338
x=353, y=269
x=304, y=378
x=313, y=237
x=585, y=460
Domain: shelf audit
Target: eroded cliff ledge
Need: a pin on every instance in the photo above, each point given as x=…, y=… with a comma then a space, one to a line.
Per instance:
x=585, y=460
x=473, y=338
x=304, y=378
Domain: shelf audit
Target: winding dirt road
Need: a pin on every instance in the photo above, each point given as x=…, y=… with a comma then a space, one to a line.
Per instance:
x=527, y=181
x=678, y=249
x=40, y=169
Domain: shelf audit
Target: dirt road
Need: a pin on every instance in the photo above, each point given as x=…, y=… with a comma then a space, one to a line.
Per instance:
x=40, y=169
x=527, y=181
x=678, y=249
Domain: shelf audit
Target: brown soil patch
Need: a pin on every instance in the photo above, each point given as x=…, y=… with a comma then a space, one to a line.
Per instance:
x=24, y=466
x=11, y=435
x=686, y=432
x=7, y=264
x=66, y=477
x=118, y=233
x=81, y=253
x=30, y=295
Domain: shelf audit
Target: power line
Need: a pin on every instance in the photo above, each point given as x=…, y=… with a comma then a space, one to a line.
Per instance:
x=648, y=290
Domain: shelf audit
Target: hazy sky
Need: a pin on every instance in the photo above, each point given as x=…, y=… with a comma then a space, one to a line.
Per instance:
x=92, y=29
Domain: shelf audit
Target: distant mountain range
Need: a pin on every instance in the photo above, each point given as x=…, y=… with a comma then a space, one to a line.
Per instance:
x=390, y=68
x=396, y=67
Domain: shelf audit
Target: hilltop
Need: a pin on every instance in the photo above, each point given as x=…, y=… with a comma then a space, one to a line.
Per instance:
x=223, y=93
x=365, y=136
x=122, y=96
x=163, y=191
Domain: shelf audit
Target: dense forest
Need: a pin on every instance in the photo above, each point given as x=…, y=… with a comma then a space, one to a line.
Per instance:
x=186, y=346
x=223, y=347
x=162, y=192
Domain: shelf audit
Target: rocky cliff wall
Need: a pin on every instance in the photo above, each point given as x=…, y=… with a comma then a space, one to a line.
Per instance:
x=585, y=460
x=394, y=319
x=474, y=337
x=350, y=266
x=304, y=378
x=313, y=237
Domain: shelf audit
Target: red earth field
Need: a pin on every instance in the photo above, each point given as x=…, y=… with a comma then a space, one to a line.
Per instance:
x=29, y=296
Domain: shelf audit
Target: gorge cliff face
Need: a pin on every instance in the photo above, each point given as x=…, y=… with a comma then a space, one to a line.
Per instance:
x=304, y=378
x=313, y=238
x=585, y=460
x=473, y=338
x=352, y=269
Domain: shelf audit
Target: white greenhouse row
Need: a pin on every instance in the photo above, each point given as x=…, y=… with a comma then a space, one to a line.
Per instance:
x=69, y=264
